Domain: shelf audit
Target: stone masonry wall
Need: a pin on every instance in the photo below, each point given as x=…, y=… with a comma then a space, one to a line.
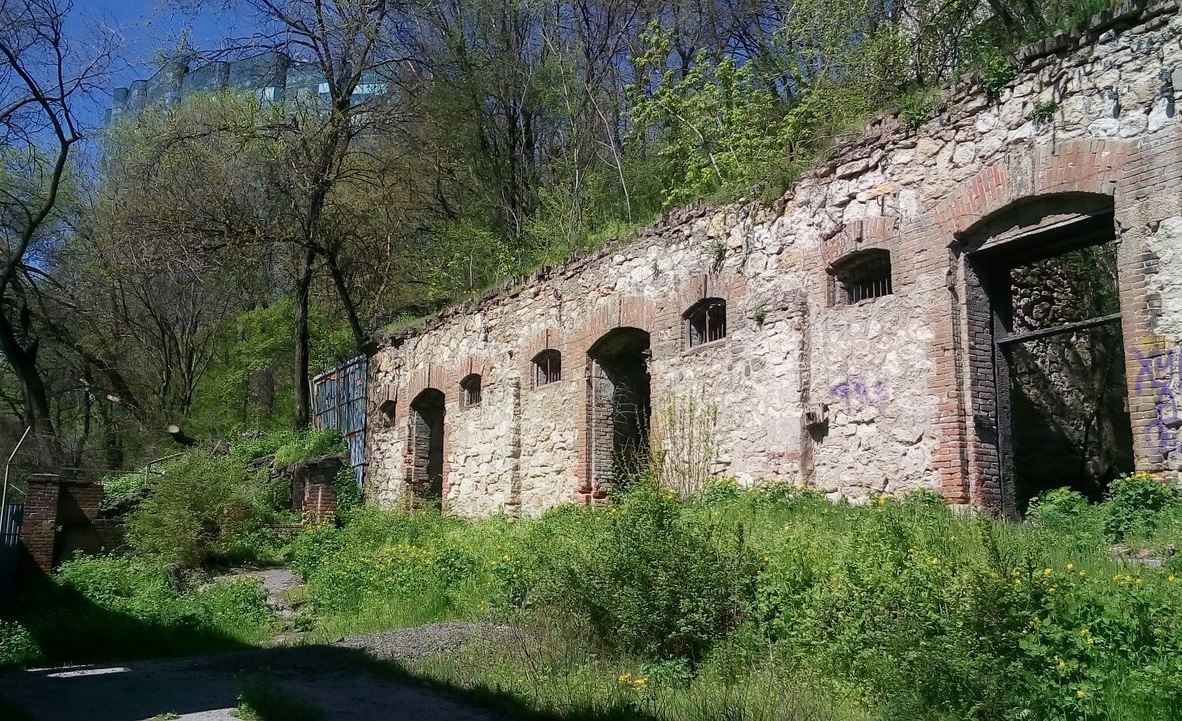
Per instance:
x=888, y=394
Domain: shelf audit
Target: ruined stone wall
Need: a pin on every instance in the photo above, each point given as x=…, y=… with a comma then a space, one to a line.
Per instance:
x=886, y=394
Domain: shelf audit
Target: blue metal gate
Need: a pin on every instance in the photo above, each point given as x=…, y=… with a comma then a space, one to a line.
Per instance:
x=10, y=535
x=338, y=401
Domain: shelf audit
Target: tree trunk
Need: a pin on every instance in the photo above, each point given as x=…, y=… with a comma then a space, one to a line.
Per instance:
x=338, y=280
x=303, y=401
x=37, y=415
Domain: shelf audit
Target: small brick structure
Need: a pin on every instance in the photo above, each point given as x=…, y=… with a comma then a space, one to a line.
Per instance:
x=313, y=488
x=59, y=520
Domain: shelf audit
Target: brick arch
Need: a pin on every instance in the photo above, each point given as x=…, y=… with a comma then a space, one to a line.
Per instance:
x=549, y=338
x=430, y=376
x=868, y=233
x=618, y=312
x=1073, y=166
x=966, y=457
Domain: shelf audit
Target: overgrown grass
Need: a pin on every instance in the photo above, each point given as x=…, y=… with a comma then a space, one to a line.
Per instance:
x=738, y=603
x=898, y=609
x=109, y=607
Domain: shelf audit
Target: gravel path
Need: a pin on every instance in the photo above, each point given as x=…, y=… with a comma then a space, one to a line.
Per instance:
x=338, y=679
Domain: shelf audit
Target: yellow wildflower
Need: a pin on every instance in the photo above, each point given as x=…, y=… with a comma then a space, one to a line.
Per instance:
x=1046, y=571
x=625, y=677
x=1070, y=566
x=1080, y=693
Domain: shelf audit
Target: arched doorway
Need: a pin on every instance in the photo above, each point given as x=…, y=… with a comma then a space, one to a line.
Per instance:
x=425, y=448
x=1046, y=347
x=618, y=407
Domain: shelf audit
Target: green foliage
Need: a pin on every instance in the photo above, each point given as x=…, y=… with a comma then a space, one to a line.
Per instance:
x=348, y=492
x=997, y=73
x=721, y=127
x=310, y=445
x=917, y=108
x=248, y=383
x=1135, y=503
x=1043, y=111
x=17, y=645
x=201, y=509
x=103, y=607
x=1065, y=511
x=119, y=485
x=658, y=584
x=919, y=613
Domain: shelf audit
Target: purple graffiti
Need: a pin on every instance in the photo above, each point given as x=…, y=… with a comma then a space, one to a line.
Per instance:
x=856, y=390
x=1158, y=376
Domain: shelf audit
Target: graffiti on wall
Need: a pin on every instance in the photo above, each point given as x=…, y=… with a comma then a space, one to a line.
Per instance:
x=1158, y=376
x=856, y=392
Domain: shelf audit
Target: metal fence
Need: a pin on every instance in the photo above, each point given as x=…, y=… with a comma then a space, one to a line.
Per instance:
x=10, y=534
x=338, y=401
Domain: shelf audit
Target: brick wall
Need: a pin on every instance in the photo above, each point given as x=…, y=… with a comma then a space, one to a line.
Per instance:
x=59, y=520
x=313, y=488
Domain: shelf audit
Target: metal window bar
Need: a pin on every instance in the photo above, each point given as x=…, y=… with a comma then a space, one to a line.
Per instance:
x=471, y=388
x=868, y=278
x=706, y=322
x=548, y=368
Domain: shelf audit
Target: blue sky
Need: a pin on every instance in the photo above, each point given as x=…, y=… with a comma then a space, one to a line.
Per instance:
x=143, y=27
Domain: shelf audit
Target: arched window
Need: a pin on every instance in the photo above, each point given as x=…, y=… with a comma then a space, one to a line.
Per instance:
x=470, y=391
x=705, y=322
x=547, y=367
x=387, y=412
x=859, y=276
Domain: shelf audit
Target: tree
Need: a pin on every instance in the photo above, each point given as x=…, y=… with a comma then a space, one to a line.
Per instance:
x=42, y=74
x=346, y=43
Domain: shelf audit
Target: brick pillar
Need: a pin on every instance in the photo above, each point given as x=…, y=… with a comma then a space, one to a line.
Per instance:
x=38, y=535
x=314, y=491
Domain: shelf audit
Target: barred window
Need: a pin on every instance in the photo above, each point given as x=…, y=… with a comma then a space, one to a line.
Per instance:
x=859, y=276
x=705, y=322
x=470, y=391
x=547, y=367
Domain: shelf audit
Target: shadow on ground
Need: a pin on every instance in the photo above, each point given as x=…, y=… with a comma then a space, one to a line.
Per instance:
x=337, y=682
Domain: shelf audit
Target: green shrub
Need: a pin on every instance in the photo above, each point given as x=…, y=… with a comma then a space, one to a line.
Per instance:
x=1062, y=510
x=199, y=509
x=998, y=72
x=348, y=492
x=17, y=645
x=653, y=579
x=1134, y=503
x=230, y=603
x=309, y=445
x=118, y=486
x=111, y=607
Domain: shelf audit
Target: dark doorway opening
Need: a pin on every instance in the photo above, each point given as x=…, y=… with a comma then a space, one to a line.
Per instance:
x=619, y=407
x=1058, y=359
x=425, y=447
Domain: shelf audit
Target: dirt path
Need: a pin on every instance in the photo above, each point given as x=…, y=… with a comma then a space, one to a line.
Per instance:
x=341, y=681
